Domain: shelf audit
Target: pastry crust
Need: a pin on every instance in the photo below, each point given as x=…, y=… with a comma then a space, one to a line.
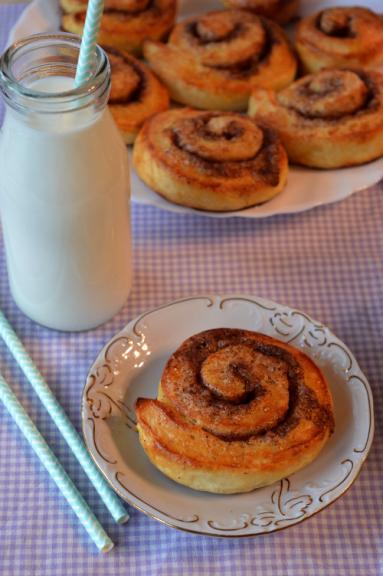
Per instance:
x=213, y=61
x=126, y=27
x=331, y=119
x=282, y=11
x=214, y=161
x=340, y=37
x=236, y=410
x=136, y=94
x=131, y=6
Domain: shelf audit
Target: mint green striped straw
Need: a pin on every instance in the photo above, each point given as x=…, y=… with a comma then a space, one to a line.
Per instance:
x=88, y=43
x=53, y=466
x=62, y=421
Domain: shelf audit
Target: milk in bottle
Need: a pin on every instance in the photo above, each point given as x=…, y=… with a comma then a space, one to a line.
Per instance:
x=64, y=188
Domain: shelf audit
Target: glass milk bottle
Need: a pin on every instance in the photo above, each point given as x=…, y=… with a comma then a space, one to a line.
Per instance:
x=64, y=186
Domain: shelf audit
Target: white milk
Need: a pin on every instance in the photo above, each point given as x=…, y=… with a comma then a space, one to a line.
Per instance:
x=64, y=200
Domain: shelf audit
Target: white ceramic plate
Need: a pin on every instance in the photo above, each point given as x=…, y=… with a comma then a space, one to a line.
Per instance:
x=305, y=188
x=130, y=365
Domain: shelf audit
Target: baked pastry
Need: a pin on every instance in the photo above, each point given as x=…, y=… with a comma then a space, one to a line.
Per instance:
x=330, y=119
x=282, y=11
x=136, y=94
x=125, y=24
x=214, y=161
x=236, y=410
x=213, y=61
x=132, y=6
x=340, y=37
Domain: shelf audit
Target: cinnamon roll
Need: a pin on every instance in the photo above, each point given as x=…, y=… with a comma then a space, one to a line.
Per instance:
x=125, y=24
x=340, y=37
x=72, y=6
x=282, y=11
x=213, y=61
x=236, y=410
x=136, y=94
x=216, y=161
x=330, y=119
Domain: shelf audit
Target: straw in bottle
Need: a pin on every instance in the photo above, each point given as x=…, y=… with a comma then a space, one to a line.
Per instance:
x=88, y=43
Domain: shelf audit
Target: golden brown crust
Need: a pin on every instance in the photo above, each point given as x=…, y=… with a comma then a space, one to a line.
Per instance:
x=132, y=6
x=340, y=37
x=136, y=94
x=282, y=11
x=330, y=119
x=231, y=439
x=213, y=61
x=210, y=160
x=126, y=27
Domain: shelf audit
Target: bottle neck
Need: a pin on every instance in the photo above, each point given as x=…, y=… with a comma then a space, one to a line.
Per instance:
x=37, y=77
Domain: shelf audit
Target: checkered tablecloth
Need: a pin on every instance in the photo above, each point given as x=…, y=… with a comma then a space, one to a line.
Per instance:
x=328, y=262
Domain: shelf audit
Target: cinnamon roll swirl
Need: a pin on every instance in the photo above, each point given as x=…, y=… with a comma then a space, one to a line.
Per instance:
x=213, y=61
x=236, y=410
x=340, y=37
x=136, y=94
x=330, y=119
x=216, y=161
x=125, y=23
x=282, y=11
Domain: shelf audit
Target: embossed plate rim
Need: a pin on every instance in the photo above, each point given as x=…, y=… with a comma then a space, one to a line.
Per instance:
x=279, y=320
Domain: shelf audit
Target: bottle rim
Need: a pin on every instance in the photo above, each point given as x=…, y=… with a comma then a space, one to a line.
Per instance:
x=21, y=96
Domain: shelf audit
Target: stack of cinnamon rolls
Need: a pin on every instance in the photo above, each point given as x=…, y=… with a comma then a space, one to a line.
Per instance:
x=253, y=99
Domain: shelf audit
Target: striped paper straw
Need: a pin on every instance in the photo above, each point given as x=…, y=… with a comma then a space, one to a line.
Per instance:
x=62, y=421
x=57, y=472
x=88, y=43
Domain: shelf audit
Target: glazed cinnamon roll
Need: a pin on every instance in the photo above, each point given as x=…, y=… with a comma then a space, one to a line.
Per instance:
x=216, y=161
x=213, y=61
x=136, y=94
x=236, y=410
x=330, y=119
x=340, y=37
x=282, y=11
x=125, y=23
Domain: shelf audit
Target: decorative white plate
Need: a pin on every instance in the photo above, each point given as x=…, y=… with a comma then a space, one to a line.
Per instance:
x=305, y=188
x=130, y=365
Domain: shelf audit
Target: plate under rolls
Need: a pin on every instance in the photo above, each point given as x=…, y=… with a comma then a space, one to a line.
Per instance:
x=130, y=365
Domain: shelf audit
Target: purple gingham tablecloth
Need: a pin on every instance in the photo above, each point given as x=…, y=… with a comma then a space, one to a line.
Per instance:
x=328, y=262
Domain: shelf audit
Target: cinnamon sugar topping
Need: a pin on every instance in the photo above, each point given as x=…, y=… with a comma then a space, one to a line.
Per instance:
x=233, y=384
